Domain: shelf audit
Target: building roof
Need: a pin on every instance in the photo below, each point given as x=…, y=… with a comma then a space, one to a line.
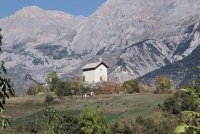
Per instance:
x=94, y=65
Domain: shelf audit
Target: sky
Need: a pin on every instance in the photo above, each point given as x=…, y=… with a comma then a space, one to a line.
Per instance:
x=74, y=7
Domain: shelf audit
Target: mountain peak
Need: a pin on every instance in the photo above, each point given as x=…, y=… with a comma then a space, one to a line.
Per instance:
x=29, y=12
x=30, y=9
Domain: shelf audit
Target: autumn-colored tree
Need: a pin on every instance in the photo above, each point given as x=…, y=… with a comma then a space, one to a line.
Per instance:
x=110, y=86
x=131, y=86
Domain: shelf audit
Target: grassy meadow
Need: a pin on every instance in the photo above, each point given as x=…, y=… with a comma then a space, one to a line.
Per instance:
x=22, y=110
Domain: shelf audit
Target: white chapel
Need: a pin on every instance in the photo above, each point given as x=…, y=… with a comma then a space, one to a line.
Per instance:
x=95, y=72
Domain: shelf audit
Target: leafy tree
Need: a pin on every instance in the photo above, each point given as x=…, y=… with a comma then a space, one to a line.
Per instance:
x=185, y=99
x=61, y=89
x=69, y=87
x=93, y=122
x=52, y=79
x=131, y=86
x=163, y=83
x=74, y=85
x=6, y=86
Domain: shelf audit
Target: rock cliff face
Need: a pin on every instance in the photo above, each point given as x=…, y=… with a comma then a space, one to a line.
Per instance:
x=133, y=38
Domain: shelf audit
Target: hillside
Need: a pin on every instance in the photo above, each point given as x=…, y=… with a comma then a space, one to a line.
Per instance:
x=181, y=72
x=115, y=107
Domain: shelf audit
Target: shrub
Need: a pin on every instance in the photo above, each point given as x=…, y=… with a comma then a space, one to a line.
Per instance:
x=68, y=124
x=31, y=127
x=125, y=127
x=19, y=128
x=48, y=98
x=148, y=124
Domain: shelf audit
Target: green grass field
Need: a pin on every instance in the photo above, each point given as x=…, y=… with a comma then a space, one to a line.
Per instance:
x=22, y=110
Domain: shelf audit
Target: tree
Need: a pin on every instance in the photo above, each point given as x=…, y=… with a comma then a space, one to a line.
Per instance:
x=110, y=86
x=68, y=88
x=61, y=89
x=185, y=99
x=52, y=79
x=131, y=86
x=163, y=83
x=74, y=85
x=93, y=122
x=6, y=86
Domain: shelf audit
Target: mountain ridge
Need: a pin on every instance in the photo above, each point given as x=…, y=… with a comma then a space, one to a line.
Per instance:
x=134, y=38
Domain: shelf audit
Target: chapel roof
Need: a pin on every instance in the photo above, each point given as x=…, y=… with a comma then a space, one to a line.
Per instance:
x=94, y=65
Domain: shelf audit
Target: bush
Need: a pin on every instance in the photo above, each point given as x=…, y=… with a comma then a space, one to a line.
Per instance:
x=31, y=127
x=161, y=125
x=68, y=124
x=125, y=127
x=93, y=122
x=148, y=124
x=48, y=98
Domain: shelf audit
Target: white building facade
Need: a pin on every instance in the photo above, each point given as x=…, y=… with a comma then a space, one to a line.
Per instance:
x=95, y=72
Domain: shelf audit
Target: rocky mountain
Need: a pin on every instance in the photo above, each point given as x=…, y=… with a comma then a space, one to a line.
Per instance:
x=186, y=58
x=133, y=38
